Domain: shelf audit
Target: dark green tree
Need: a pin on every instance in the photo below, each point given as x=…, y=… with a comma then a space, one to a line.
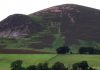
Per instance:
x=45, y=66
x=32, y=67
x=80, y=66
x=17, y=65
x=75, y=66
x=84, y=65
x=40, y=66
x=58, y=66
x=62, y=50
x=86, y=50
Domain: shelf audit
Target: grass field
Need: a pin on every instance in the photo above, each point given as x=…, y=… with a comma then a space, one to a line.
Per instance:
x=29, y=59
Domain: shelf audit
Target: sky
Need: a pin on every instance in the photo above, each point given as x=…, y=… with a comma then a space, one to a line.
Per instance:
x=8, y=7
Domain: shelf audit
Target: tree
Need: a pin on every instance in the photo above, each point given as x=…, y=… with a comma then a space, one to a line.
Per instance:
x=97, y=51
x=45, y=66
x=32, y=67
x=75, y=66
x=82, y=50
x=40, y=66
x=80, y=66
x=17, y=65
x=62, y=50
x=84, y=65
x=59, y=66
x=86, y=50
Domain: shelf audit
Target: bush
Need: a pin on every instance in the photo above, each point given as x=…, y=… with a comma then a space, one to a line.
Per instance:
x=75, y=66
x=62, y=50
x=59, y=66
x=86, y=50
x=17, y=65
x=32, y=67
x=84, y=65
x=42, y=66
x=39, y=66
x=81, y=66
x=45, y=66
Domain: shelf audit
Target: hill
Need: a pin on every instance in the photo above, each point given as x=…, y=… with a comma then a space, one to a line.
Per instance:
x=74, y=22
x=67, y=24
x=18, y=26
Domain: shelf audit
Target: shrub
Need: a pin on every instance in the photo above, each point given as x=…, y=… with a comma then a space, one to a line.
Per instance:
x=59, y=66
x=86, y=50
x=62, y=50
x=17, y=65
x=32, y=67
x=80, y=66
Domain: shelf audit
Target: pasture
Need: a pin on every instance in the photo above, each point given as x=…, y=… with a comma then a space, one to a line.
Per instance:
x=29, y=59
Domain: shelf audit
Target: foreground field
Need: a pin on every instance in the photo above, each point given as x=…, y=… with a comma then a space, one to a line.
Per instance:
x=29, y=59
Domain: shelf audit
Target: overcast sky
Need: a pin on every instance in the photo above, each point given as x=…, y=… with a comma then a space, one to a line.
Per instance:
x=8, y=7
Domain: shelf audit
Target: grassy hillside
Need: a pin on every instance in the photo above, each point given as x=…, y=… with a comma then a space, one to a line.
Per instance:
x=53, y=27
x=29, y=59
x=44, y=41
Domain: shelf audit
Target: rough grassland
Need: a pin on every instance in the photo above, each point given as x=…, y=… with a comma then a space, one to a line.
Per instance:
x=29, y=59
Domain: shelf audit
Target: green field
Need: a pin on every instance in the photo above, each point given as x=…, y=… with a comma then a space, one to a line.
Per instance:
x=29, y=59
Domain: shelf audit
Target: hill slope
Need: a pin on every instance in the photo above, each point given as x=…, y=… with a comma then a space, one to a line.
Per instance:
x=52, y=27
x=18, y=25
x=74, y=22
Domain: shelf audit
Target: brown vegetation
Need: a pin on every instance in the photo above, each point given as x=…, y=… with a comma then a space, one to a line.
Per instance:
x=19, y=51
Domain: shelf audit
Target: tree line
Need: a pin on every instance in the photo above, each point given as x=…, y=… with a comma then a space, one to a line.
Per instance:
x=82, y=50
x=89, y=50
x=83, y=65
